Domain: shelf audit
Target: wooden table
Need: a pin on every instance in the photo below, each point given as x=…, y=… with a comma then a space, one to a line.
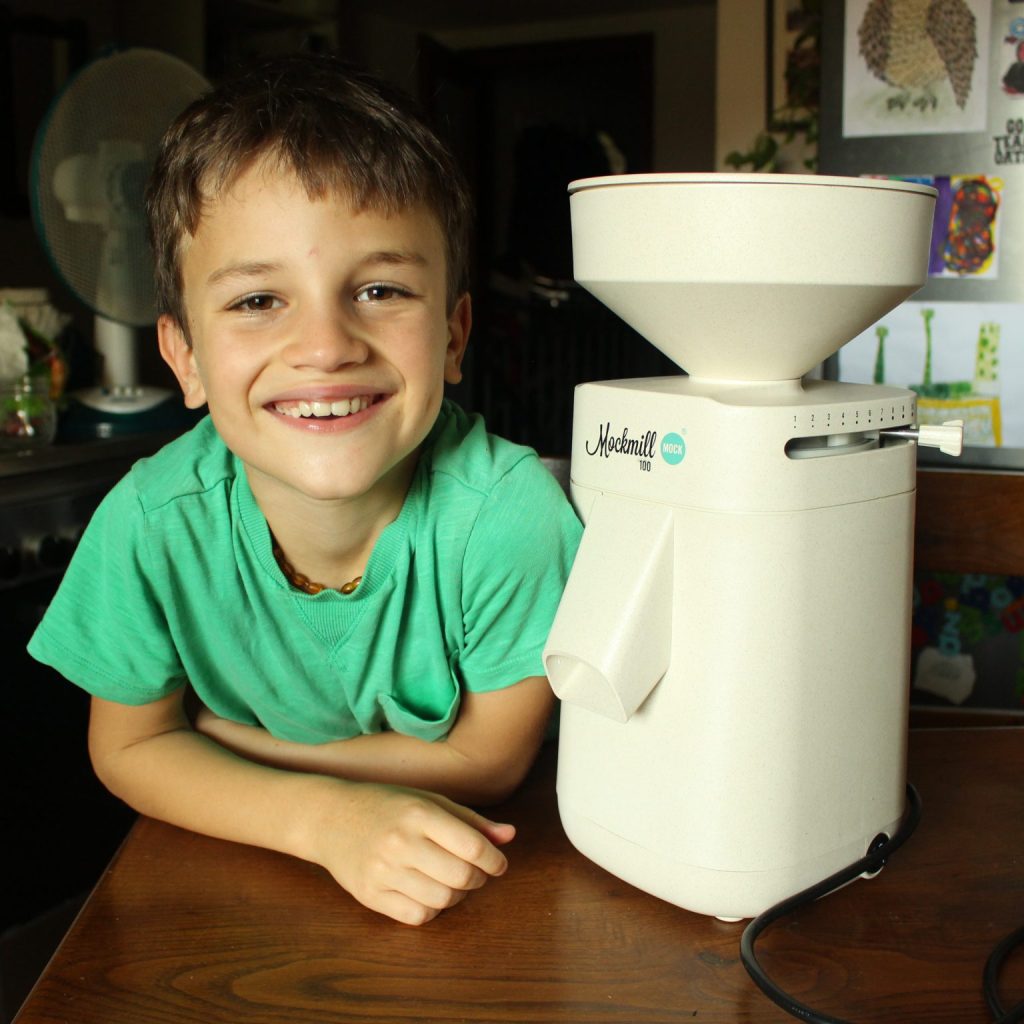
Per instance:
x=185, y=928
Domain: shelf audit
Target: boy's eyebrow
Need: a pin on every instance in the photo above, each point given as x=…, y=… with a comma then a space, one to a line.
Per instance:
x=253, y=268
x=397, y=256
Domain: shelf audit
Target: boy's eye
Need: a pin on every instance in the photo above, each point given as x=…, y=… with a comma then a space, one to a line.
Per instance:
x=258, y=303
x=379, y=292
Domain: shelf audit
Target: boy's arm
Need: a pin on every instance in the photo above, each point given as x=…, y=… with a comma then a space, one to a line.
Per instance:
x=405, y=853
x=482, y=760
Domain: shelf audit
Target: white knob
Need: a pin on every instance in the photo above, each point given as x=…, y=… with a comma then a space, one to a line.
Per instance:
x=948, y=438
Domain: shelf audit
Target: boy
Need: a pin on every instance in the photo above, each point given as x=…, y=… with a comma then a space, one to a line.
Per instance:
x=346, y=573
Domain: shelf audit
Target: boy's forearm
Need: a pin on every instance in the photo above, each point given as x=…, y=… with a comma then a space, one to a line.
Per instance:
x=459, y=771
x=188, y=780
x=482, y=761
x=388, y=757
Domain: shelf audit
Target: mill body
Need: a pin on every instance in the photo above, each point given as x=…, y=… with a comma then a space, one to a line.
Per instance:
x=732, y=648
x=734, y=716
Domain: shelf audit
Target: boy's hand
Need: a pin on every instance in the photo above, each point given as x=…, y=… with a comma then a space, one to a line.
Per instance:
x=404, y=852
x=407, y=853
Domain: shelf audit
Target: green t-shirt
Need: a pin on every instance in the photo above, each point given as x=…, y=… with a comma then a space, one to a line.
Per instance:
x=174, y=582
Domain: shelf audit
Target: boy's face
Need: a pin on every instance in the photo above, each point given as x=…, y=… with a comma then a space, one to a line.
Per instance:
x=320, y=336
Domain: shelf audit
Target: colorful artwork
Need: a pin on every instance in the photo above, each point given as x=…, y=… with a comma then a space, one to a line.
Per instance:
x=915, y=66
x=964, y=232
x=968, y=640
x=969, y=244
x=965, y=224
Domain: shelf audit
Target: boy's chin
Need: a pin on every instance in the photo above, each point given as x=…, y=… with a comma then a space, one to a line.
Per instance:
x=332, y=481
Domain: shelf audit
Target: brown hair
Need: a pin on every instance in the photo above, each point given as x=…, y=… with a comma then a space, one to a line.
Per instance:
x=338, y=129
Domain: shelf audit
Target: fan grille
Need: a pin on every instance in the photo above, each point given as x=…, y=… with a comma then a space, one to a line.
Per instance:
x=97, y=147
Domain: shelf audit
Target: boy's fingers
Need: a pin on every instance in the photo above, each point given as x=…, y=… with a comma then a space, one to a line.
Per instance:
x=450, y=870
x=496, y=831
x=465, y=840
x=404, y=909
x=422, y=887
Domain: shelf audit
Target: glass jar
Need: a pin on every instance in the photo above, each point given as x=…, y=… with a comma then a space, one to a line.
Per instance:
x=28, y=416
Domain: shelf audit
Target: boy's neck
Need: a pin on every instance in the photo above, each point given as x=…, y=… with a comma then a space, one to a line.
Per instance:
x=330, y=542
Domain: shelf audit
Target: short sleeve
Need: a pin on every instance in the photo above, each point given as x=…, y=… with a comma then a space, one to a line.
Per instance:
x=517, y=561
x=104, y=629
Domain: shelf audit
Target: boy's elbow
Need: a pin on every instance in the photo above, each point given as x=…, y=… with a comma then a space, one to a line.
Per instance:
x=108, y=762
x=105, y=765
x=494, y=781
x=119, y=739
x=102, y=752
x=499, y=735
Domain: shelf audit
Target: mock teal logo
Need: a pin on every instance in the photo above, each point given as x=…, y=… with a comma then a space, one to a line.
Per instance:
x=673, y=449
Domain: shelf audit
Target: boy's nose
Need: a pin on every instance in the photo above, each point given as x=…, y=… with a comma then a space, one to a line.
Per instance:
x=326, y=342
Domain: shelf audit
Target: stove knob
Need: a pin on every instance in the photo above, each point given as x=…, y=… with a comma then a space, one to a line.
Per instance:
x=54, y=552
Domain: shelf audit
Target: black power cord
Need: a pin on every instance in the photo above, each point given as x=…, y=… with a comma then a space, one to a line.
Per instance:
x=872, y=862
x=991, y=979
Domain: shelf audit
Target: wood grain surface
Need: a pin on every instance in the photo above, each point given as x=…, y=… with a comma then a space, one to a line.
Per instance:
x=969, y=521
x=185, y=928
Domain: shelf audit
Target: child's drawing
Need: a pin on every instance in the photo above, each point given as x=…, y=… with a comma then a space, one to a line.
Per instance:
x=962, y=359
x=964, y=238
x=974, y=401
x=915, y=66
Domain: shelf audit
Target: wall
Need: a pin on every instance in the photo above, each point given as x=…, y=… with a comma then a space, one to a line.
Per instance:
x=739, y=76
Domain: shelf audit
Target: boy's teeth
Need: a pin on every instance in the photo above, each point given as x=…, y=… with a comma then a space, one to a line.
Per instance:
x=342, y=407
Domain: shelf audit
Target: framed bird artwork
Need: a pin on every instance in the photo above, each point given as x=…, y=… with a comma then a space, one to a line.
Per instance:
x=915, y=66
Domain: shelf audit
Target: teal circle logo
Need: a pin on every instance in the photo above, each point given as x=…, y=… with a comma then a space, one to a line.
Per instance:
x=673, y=449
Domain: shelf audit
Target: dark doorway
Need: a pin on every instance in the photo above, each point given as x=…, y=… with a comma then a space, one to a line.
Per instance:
x=525, y=121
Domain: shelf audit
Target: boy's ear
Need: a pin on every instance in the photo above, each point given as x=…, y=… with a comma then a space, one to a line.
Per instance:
x=178, y=355
x=460, y=321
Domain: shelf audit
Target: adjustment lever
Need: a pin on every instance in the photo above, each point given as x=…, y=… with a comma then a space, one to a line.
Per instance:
x=947, y=437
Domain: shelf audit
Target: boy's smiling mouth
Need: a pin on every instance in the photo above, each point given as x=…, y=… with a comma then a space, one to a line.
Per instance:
x=323, y=409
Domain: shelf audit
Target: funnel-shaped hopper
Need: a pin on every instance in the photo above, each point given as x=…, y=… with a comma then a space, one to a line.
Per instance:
x=750, y=277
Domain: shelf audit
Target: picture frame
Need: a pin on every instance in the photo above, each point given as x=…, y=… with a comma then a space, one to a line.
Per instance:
x=786, y=24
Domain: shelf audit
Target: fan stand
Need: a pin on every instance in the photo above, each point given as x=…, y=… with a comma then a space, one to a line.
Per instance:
x=119, y=391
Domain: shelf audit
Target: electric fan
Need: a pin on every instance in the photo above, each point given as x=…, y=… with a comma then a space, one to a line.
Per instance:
x=92, y=157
